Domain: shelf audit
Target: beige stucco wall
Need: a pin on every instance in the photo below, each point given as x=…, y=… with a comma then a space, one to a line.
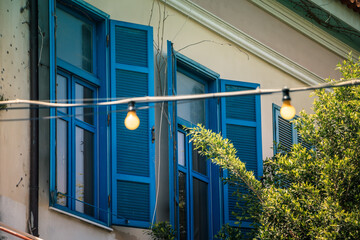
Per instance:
x=276, y=34
x=14, y=135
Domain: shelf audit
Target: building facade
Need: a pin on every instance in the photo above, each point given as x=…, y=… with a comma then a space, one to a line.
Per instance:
x=95, y=179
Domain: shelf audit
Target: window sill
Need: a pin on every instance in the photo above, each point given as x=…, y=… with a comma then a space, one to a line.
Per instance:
x=82, y=219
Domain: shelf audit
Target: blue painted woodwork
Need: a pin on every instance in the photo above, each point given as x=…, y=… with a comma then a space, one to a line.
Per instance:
x=95, y=81
x=285, y=133
x=132, y=159
x=172, y=133
x=132, y=194
x=283, y=130
x=179, y=63
x=241, y=124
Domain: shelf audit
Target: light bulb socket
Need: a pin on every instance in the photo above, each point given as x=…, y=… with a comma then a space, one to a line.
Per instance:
x=286, y=94
x=131, y=106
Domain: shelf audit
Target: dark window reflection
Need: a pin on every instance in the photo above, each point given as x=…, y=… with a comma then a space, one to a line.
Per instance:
x=199, y=162
x=182, y=206
x=193, y=111
x=200, y=193
x=85, y=114
x=74, y=42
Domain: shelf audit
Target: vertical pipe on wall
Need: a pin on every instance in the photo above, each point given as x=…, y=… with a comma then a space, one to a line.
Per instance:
x=34, y=123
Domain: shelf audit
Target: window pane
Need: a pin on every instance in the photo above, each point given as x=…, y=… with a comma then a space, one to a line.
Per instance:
x=74, y=40
x=200, y=199
x=84, y=186
x=61, y=91
x=193, y=111
x=61, y=161
x=84, y=114
x=199, y=163
x=181, y=148
x=182, y=206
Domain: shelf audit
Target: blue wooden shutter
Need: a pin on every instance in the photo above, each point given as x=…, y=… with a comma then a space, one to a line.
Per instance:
x=241, y=124
x=304, y=143
x=172, y=132
x=284, y=132
x=133, y=172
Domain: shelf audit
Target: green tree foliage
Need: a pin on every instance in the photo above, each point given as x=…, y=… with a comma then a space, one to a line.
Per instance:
x=321, y=197
x=162, y=231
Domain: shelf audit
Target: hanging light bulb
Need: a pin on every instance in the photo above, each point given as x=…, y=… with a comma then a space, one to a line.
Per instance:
x=287, y=111
x=132, y=121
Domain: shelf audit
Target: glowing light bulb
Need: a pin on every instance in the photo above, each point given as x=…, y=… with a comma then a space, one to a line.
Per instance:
x=132, y=121
x=287, y=111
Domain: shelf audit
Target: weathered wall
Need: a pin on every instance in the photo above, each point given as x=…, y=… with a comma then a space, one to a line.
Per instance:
x=14, y=135
x=193, y=40
x=276, y=34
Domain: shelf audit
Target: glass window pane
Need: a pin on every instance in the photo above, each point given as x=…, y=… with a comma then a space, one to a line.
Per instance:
x=61, y=91
x=182, y=206
x=84, y=114
x=74, y=41
x=199, y=163
x=181, y=148
x=61, y=161
x=192, y=111
x=84, y=186
x=200, y=209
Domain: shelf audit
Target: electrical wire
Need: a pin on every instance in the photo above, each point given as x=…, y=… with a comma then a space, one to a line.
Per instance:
x=154, y=99
x=148, y=99
x=69, y=115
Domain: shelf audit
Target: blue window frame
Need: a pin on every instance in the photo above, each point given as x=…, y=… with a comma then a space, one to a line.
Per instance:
x=100, y=170
x=78, y=73
x=239, y=120
x=194, y=191
x=75, y=152
x=285, y=133
x=194, y=180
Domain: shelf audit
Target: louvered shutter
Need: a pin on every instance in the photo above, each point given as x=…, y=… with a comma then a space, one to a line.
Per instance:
x=301, y=140
x=172, y=131
x=133, y=172
x=241, y=124
x=284, y=133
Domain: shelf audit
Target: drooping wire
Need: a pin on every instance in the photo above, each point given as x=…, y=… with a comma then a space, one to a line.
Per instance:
x=70, y=115
x=189, y=97
x=154, y=99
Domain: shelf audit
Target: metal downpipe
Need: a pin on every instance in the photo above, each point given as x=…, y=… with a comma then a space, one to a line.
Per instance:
x=34, y=123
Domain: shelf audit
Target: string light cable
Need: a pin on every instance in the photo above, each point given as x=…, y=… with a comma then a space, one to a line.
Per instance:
x=149, y=99
x=154, y=99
